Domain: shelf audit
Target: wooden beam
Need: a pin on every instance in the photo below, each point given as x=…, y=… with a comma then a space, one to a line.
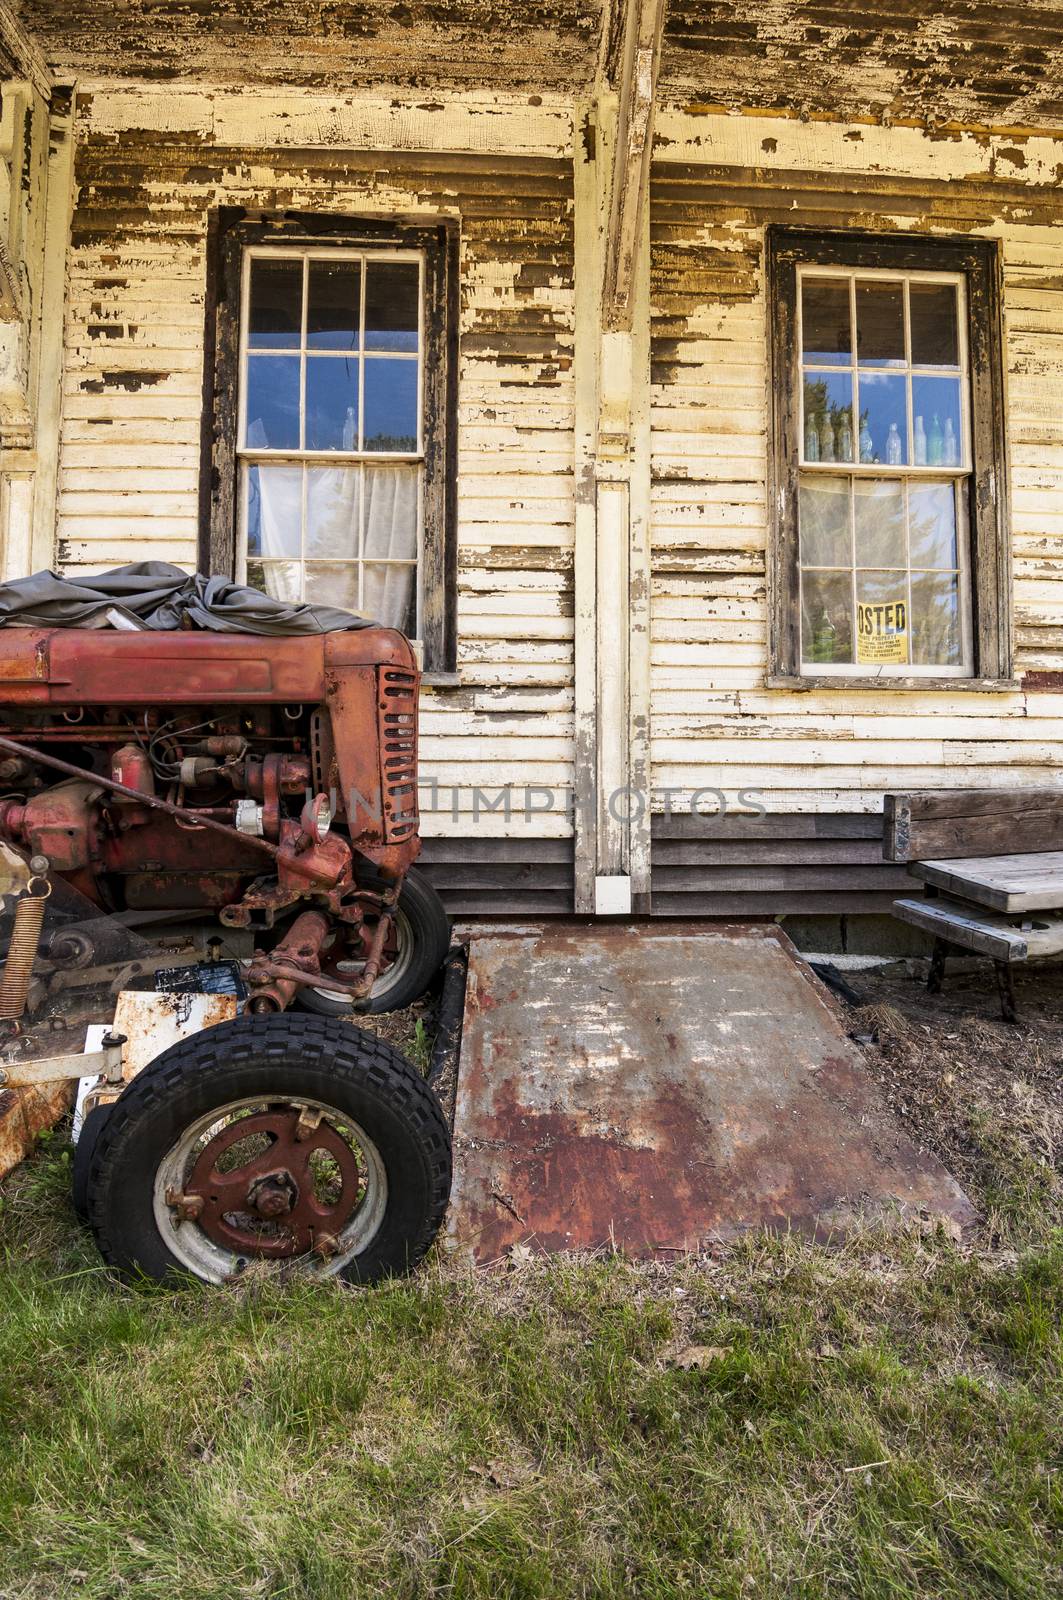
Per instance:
x=632, y=152
x=50, y=328
x=939, y=824
x=20, y=54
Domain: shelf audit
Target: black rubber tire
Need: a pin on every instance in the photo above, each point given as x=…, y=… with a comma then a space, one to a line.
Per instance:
x=429, y=932
x=322, y=1059
x=88, y=1138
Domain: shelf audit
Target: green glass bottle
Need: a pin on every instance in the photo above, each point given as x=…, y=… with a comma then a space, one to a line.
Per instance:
x=824, y=638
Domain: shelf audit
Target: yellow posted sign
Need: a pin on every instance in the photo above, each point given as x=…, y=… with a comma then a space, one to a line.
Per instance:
x=882, y=632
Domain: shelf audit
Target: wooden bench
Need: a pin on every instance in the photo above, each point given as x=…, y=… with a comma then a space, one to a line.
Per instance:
x=991, y=862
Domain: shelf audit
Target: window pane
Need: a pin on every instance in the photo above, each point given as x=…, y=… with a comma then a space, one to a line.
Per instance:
x=334, y=299
x=878, y=511
x=935, y=336
x=883, y=419
x=392, y=496
x=274, y=511
x=882, y=618
x=281, y=579
x=333, y=583
x=828, y=417
x=826, y=338
x=392, y=292
x=826, y=617
x=936, y=635
x=275, y=316
x=391, y=405
x=879, y=324
x=824, y=522
x=332, y=512
x=331, y=403
x=272, y=403
x=390, y=596
x=932, y=525
x=938, y=431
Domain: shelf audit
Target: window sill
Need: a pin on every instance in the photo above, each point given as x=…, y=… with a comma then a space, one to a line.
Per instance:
x=908, y=685
x=440, y=680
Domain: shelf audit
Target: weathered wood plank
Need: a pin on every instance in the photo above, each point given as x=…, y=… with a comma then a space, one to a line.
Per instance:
x=827, y=825
x=950, y=823
x=774, y=904
x=521, y=853
x=989, y=935
x=1002, y=882
x=746, y=878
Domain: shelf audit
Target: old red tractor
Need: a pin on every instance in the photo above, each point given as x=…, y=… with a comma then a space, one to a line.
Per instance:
x=268, y=785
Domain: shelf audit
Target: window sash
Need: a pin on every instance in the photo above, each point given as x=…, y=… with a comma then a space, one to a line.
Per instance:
x=909, y=370
x=892, y=254
x=905, y=571
x=983, y=479
x=357, y=460
x=231, y=231
x=304, y=351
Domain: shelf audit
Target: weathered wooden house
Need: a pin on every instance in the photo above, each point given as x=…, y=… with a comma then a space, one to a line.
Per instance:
x=689, y=382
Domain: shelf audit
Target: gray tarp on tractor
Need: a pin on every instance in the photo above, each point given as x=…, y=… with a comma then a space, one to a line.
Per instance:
x=155, y=595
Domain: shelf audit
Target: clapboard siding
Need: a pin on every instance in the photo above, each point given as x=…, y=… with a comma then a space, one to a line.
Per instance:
x=134, y=380
x=151, y=166
x=715, y=720
x=768, y=866
x=499, y=877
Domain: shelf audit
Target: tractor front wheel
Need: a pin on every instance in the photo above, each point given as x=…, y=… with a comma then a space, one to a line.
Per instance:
x=296, y=1140
x=414, y=952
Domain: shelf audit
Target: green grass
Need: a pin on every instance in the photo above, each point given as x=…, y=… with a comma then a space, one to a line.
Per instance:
x=783, y=1421
x=880, y=1420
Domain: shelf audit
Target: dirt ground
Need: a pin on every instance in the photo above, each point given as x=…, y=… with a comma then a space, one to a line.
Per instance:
x=984, y=1095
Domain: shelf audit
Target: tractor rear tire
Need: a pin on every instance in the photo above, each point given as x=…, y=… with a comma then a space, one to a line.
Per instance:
x=422, y=930
x=270, y=1097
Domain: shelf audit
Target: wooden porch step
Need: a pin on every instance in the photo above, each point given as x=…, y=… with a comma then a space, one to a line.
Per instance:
x=1003, y=883
x=986, y=933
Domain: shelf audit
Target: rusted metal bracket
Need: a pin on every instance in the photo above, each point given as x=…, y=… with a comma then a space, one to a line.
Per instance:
x=105, y=1062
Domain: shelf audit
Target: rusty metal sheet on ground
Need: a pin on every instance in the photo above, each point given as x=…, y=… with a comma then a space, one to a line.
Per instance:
x=658, y=1088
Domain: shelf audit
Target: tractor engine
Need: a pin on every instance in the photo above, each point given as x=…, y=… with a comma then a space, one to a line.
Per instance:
x=249, y=779
x=126, y=853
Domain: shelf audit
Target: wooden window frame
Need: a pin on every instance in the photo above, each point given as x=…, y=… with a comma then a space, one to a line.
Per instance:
x=232, y=231
x=989, y=561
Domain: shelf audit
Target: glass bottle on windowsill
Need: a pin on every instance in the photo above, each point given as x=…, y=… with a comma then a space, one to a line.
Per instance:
x=920, y=443
x=935, y=442
x=811, y=439
x=867, y=444
x=950, y=450
x=826, y=439
x=845, y=438
x=824, y=638
x=893, y=446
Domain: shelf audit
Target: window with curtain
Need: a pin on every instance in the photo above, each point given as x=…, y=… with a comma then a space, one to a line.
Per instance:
x=331, y=439
x=885, y=468
x=890, y=549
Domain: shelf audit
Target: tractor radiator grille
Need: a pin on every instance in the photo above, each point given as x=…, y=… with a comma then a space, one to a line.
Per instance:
x=397, y=712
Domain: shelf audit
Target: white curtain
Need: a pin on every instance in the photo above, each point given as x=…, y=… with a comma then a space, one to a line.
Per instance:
x=332, y=513
x=391, y=523
x=392, y=502
x=280, y=517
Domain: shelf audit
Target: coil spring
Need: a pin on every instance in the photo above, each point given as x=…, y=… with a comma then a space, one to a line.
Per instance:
x=22, y=951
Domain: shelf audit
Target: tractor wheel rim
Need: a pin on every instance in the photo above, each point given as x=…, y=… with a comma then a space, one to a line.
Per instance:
x=265, y=1208
x=392, y=974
